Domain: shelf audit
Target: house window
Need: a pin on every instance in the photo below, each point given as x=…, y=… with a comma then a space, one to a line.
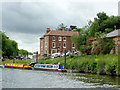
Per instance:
x=60, y=38
x=64, y=45
x=73, y=52
x=53, y=44
x=59, y=44
x=73, y=45
x=46, y=44
x=64, y=38
x=41, y=43
x=53, y=38
x=45, y=41
x=46, y=51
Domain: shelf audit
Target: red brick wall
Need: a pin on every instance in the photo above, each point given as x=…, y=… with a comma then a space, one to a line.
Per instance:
x=116, y=43
x=49, y=45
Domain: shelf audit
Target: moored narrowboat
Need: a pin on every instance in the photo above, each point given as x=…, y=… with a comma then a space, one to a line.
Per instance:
x=50, y=67
x=17, y=65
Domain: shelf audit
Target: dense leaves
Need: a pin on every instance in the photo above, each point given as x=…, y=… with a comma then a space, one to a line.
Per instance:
x=62, y=26
x=8, y=47
x=96, y=31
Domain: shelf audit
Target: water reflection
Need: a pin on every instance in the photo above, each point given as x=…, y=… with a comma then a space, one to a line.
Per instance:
x=12, y=78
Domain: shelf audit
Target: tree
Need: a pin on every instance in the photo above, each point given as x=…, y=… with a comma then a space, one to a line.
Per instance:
x=103, y=23
x=62, y=26
x=81, y=41
x=30, y=53
x=73, y=27
x=8, y=46
x=23, y=52
x=96, y=29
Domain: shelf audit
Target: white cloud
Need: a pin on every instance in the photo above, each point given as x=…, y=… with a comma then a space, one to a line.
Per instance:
x=26, y=21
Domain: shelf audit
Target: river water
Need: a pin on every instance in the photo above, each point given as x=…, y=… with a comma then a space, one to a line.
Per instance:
x=16, y=78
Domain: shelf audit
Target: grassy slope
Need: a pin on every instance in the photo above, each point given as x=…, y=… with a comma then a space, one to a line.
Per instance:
x=101, y=64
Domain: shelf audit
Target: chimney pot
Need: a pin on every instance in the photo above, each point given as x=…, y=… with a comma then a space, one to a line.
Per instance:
x=47, y=30
x=60, y=29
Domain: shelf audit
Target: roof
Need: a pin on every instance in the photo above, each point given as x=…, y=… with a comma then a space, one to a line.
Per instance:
x=42, y=37
x=59, y=33
x=114, y=33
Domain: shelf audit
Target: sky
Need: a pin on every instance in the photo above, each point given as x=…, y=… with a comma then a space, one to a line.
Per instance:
x=26, y=21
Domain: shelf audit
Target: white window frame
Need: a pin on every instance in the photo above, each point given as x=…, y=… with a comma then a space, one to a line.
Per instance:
x=41, y=43
x=63, y=38
x=63, y=45
x=59, y=38
x=46, y=42
x=52, y=38
x=59, y=44
x=52, y=44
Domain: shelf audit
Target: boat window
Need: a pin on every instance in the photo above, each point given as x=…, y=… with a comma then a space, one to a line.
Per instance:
x=38, y=65
x=53, y=66
x=43, y=65
x=56, y=66
x=49, y=66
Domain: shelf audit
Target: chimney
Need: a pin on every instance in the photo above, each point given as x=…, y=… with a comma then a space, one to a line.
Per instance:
x=60, y=29
x=47, y=30
x=69, y=29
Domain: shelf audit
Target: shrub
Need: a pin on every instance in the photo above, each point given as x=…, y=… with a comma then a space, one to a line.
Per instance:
x=93, y=66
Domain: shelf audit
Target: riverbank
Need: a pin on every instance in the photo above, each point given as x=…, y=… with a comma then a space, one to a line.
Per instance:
x=97, y=64
x=101, y=64
x=24, y=61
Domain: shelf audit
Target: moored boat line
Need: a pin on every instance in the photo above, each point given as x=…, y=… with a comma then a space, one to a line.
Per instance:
x=46, y=67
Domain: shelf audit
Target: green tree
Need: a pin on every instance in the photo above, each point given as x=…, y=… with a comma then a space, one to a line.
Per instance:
x=73, y=27
x=62, y=26
x=23, y=52
x=8, y=46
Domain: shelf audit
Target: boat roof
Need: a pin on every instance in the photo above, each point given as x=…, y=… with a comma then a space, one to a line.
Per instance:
x=47, y=64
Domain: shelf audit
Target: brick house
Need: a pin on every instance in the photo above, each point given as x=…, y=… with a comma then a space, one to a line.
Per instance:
x=116, y=37
x=54, y=41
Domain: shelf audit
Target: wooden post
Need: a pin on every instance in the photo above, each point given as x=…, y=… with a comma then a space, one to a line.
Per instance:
x=37, y=57
x=13, y=57
x=65, y=59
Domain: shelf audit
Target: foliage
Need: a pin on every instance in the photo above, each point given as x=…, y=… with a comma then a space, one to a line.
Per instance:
x=81, y=41
x=23, y=52
x=24, y=61
x=62, y=26
x=100, y=64
x=103, y=23
x=8, y=46
x=73, y=27
x=96, y=30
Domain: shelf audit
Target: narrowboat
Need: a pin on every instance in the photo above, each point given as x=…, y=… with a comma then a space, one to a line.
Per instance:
x=50, y=67
x=17, y=65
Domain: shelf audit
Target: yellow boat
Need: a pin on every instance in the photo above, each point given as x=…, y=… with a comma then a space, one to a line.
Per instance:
x=17, y=65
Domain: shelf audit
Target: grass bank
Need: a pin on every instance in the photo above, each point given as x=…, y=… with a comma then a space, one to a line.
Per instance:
x=24, y=61
x=101, y=64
